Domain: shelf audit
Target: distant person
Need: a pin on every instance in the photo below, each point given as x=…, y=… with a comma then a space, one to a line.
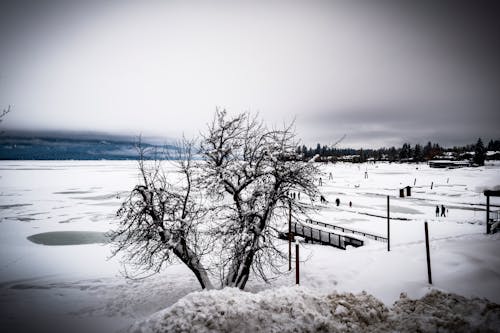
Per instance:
x=293, y=195
x=298, y=195
x=366, y=174
x=320, y=181
x=437, y=211
x=330, y=177
x=443, y=210
x=323, y=199
x=337, y=201
x=350, y=204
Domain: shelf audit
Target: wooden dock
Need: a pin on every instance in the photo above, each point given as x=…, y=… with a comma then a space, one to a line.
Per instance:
x=347, y=230
x=324, y=237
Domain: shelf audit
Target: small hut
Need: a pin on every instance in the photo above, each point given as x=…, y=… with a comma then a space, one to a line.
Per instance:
x=408, y=191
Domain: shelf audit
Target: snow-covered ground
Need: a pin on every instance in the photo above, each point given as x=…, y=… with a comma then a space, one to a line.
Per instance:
x=300, y=309
x=77, y=288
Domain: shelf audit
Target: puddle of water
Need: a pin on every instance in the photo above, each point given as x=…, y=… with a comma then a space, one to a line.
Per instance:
x=25, y=219
x=69, y=238
x=73, y=192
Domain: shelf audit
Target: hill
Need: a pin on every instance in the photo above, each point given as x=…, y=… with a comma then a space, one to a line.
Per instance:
x=73, y=146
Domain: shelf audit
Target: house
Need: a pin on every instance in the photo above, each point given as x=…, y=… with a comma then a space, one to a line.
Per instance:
x=449, y=164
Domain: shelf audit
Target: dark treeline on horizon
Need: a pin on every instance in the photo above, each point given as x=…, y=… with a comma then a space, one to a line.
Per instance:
x=407, y=152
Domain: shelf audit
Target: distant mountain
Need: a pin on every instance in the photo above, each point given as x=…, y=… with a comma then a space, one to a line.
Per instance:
x=74, y=146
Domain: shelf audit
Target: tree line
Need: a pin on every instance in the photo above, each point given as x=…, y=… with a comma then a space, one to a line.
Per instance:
x=406, y=153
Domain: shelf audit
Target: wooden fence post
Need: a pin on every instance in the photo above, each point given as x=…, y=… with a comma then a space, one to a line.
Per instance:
x=488, y=214
x=429, y=273
x=297, y=272
x=388, y=227
x=290, y=236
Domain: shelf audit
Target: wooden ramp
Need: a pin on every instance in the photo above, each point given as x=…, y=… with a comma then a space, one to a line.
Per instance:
x=347, y=230
x=324, y=237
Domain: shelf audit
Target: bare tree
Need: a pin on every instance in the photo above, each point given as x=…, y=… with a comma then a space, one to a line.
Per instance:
x=248, y=172
x=2, y=115
x=223, y=214
x=161, y=218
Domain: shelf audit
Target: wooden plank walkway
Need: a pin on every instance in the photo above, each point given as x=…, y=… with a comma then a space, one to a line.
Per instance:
x=343, y=229
x=324, y=237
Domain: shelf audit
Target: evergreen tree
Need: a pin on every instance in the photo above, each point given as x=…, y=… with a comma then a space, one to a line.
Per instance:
x=427, y=152
x=392, y=154
x=405, y=151
x=318, y=149
x=410, y=151
x=417, y=153
x=491, y=145
x=362, y=156
x=479, y=153
x=304, y=151
x=324, y=151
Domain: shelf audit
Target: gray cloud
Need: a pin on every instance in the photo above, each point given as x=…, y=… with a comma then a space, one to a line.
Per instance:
x=392, y=125
x=382, y=72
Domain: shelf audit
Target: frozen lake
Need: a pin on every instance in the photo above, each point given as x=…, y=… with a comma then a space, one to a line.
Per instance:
x=55, y=265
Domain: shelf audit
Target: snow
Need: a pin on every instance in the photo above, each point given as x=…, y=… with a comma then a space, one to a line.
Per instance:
x=79, y=288
x=300, y=309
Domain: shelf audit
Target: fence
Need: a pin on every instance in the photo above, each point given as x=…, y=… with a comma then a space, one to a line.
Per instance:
x=494, y=221
x=364, y=234
x=325, y=237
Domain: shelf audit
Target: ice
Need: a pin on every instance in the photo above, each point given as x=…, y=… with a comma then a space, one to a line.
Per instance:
x=69, y=238
x=79, y=288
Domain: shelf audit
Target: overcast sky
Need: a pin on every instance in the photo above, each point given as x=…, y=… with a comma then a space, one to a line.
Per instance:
x=381, y=72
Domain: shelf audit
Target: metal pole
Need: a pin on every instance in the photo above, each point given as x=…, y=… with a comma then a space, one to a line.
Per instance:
x=487, y=214
x=429, y=273
x=290, y=236
x=297, y=273
x=388, y=227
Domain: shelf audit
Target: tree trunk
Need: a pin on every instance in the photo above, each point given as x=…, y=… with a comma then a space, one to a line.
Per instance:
x=240, y=268
x=244, y=274
x=194, y=264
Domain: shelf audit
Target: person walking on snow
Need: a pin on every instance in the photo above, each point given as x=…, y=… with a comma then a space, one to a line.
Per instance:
x=443, y=211
x=437, y=211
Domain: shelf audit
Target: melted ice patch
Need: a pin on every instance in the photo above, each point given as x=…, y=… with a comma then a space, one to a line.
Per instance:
x=69, y=238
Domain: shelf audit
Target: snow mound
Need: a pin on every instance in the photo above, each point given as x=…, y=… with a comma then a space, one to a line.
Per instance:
x=287, y=309
x=298, y=309
x=445, y=312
